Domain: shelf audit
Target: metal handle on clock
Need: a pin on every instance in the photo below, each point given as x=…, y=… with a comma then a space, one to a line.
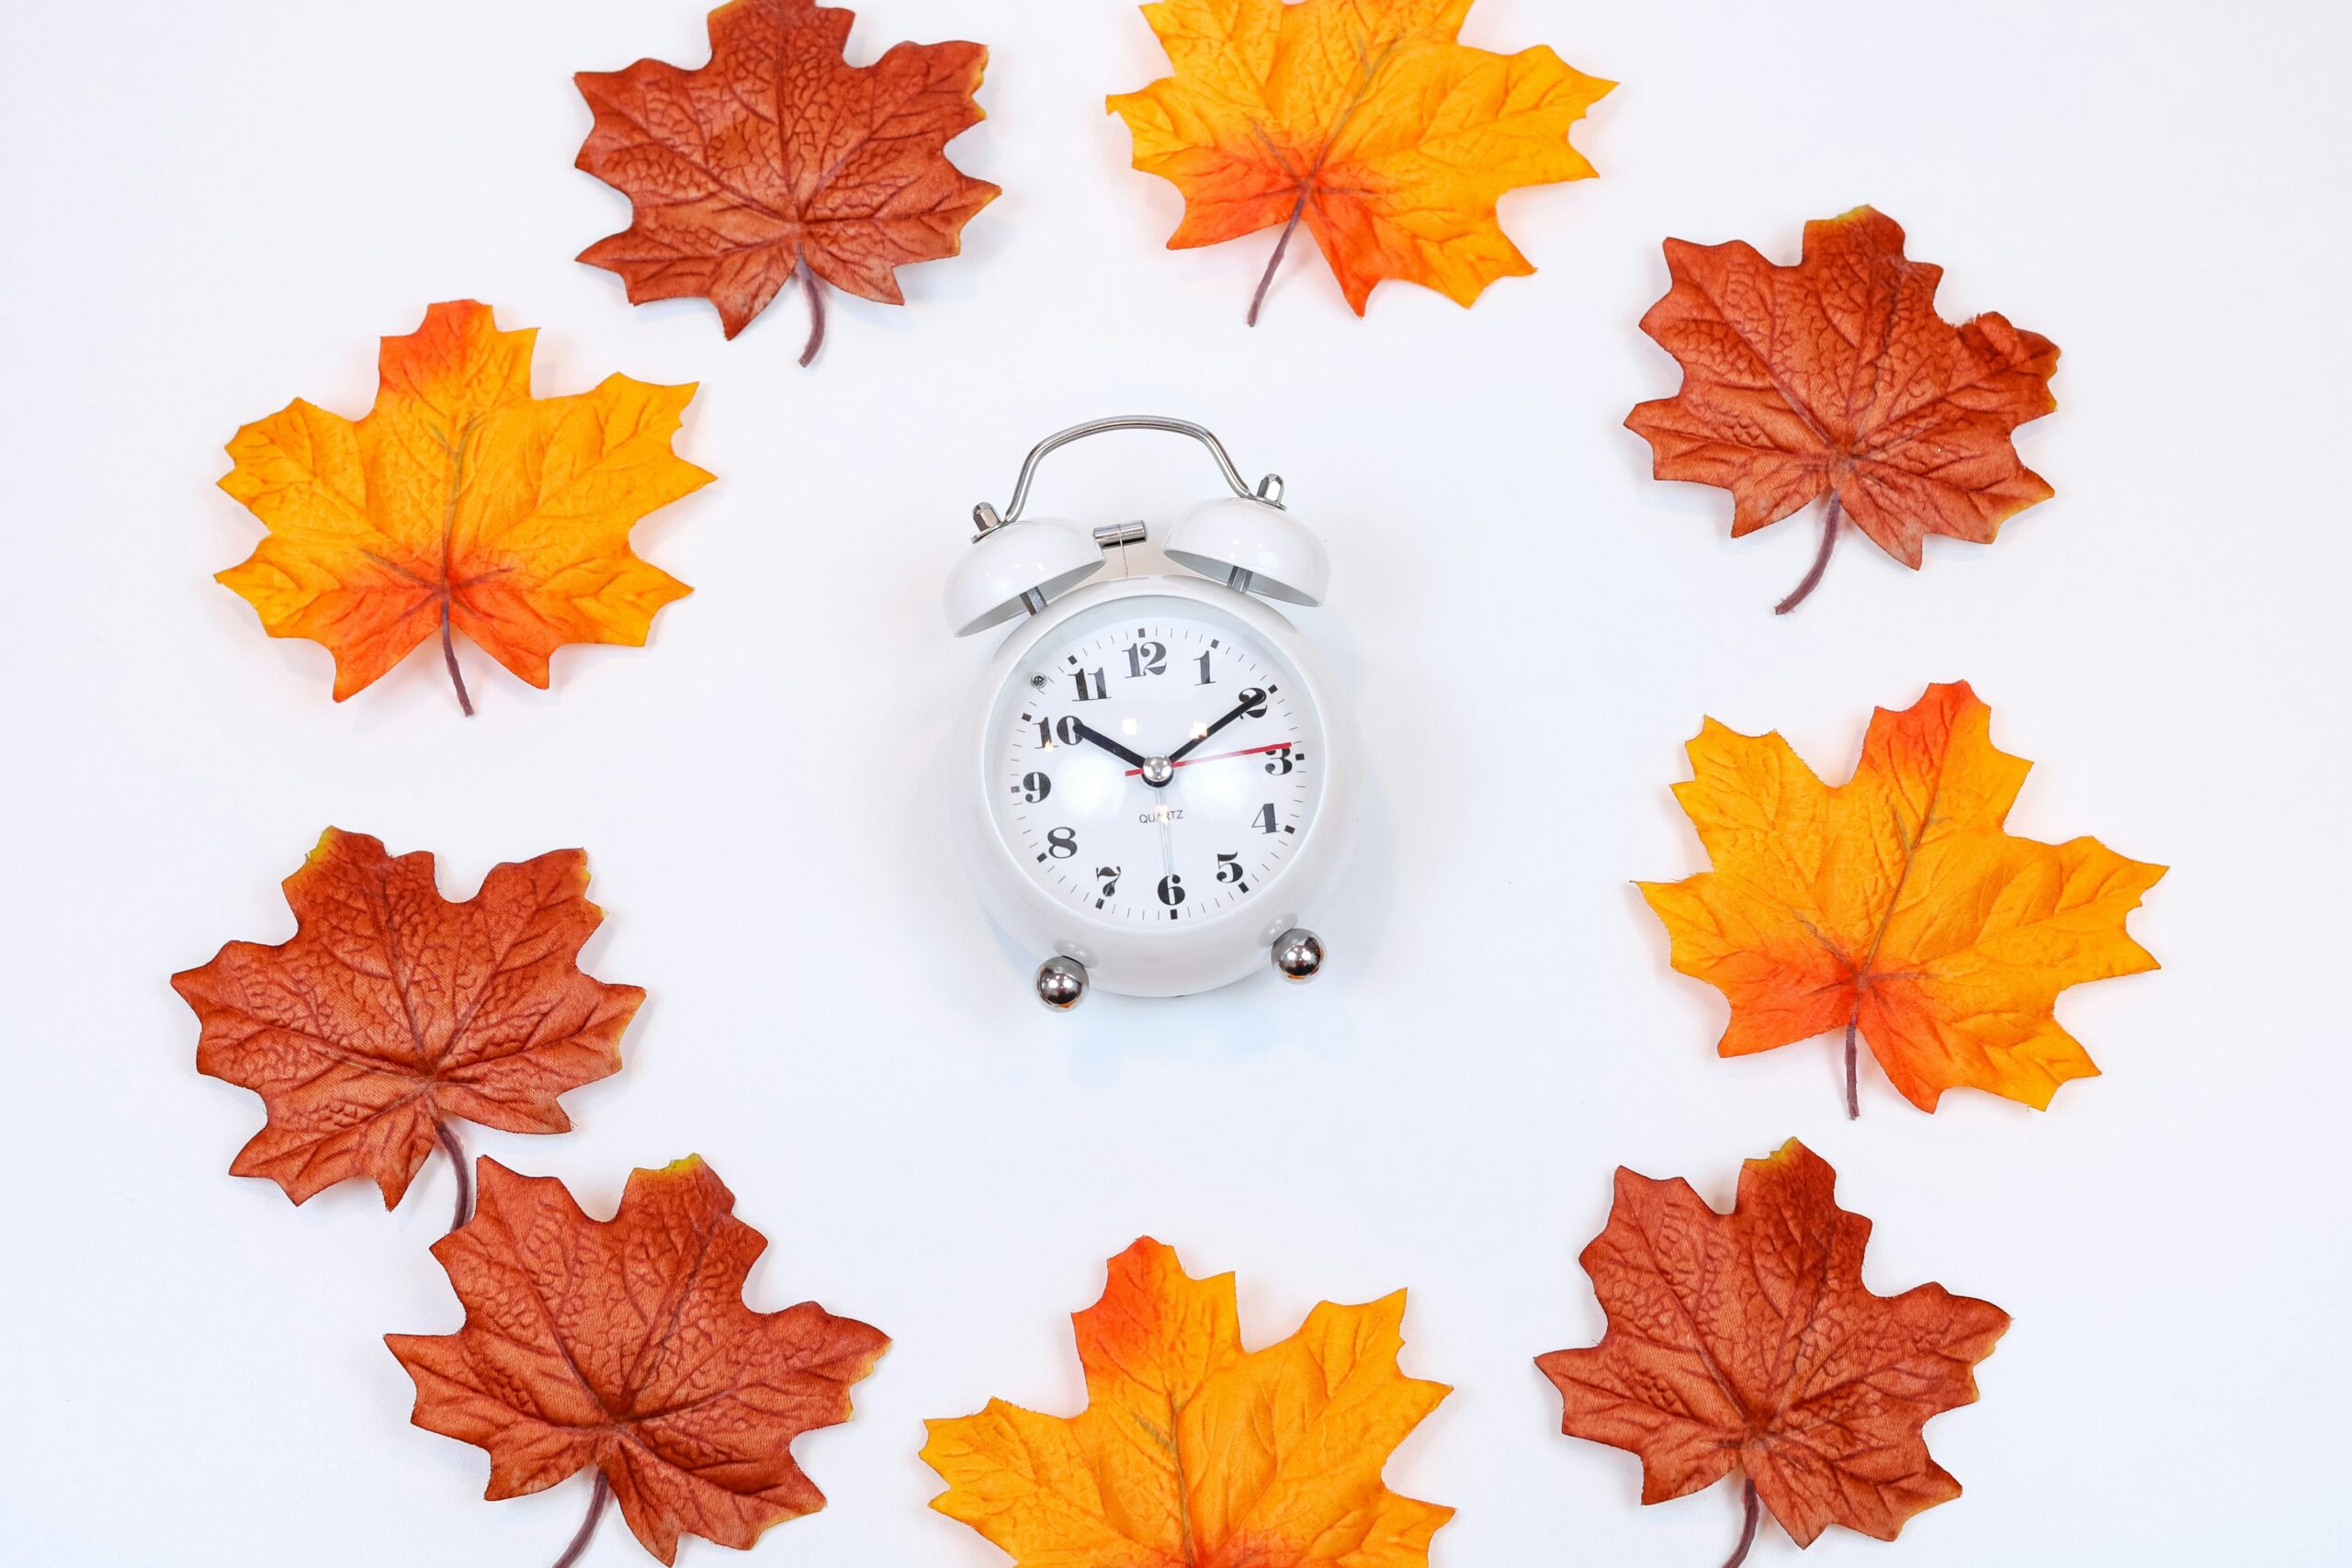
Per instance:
x=1268, y=491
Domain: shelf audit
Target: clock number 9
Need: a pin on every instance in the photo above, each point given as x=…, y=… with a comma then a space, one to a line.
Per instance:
x=1147, y=658
x=1035, y=787
x=1171, y=889
x=1061, y=843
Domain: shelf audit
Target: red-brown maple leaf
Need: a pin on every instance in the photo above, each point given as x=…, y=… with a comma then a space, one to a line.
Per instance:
x=624, y=1346
x=392, y=1011
x=1837, y=376
x=780, y=160
x=1748, y=1341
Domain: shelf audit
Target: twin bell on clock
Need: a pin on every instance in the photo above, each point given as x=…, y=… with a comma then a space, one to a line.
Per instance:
x=1155, y=794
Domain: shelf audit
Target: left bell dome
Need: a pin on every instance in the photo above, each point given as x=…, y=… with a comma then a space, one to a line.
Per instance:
x=1006, y=565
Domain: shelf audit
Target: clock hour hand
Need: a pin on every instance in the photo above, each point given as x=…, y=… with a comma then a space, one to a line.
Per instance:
x=1087, y=732
x=1252, y=700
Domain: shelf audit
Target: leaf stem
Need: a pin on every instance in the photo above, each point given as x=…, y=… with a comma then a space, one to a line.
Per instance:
x=814, y=288
x=1854, y=1095
x=461, y=1168
x=449, y=657
x=597, y=1501
x=1746, y=1530
x=1830, y=519
x=1273, y=263
x=1368, y=70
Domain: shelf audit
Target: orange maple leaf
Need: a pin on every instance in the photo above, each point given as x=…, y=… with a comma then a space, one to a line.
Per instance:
x=626, y=1347
x=1196, y=1453
x=1364, y=120
x=779, y=160
x=461, y=501
x=1897, y=905
x=1746, y=1341
x=392, y=1011
x=1836, y=376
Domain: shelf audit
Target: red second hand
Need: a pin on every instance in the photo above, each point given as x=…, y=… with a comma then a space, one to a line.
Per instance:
x=1221, y=756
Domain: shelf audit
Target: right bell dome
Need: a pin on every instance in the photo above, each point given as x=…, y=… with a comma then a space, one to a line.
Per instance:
x=1256, y=547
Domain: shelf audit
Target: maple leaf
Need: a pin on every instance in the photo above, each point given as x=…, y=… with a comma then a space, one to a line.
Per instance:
x=1837, y=376
x=392, y=1011
x=460, y=501
x=780, y=160
x=1746, y=1341
x=1361, y=119
x=1193, y=1452
x=624, y=1346
x=1897, y=905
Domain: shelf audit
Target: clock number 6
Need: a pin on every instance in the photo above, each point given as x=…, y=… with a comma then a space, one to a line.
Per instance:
x=1171, y=889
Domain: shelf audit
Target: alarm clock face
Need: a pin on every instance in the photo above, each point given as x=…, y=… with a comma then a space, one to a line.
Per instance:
x=1154, y=762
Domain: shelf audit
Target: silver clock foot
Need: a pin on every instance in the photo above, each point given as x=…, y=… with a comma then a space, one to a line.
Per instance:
x=1298, y=954
x=1061, y=982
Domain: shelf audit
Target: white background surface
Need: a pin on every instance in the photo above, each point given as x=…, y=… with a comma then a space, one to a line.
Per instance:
x=215, y=208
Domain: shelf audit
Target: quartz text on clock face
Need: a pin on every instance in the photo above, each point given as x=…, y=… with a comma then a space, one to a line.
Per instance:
x=1156, y=763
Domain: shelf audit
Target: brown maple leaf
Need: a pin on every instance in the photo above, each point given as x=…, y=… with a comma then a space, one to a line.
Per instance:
x=392, y=1011
x=1837, y=376
x=625, y=1347
x=1748, y=1341
x=780, y=160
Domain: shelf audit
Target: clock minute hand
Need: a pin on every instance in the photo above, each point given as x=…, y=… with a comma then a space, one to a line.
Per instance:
x=1250, y=699
x=1087, y=732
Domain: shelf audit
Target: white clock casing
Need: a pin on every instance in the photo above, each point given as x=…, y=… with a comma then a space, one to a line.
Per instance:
x=1158, y=784
x=1121, y=946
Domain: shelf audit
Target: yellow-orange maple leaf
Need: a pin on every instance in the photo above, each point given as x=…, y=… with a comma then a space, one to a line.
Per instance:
x=1896, y=907
x=460, y=501
x=1364, y=120
x=1196, y=1453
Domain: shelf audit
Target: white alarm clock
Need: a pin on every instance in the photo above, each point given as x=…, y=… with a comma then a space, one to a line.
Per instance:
x=1156, y=791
